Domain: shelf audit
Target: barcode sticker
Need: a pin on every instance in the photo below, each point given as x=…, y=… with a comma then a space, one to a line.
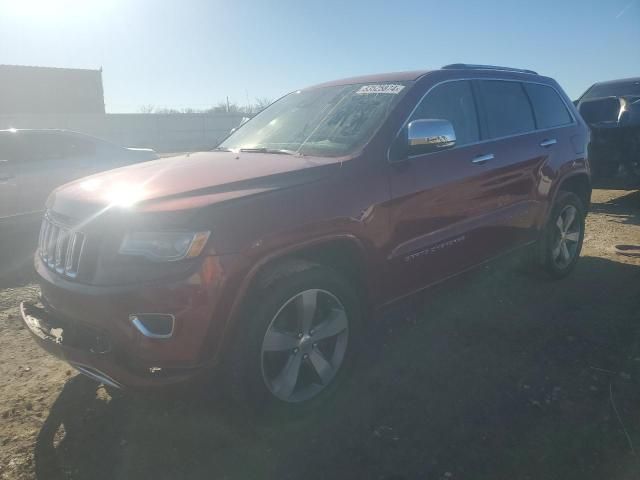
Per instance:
x=381, y=88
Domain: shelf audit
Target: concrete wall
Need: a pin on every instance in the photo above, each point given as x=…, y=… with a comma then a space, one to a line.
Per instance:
x=162, y=132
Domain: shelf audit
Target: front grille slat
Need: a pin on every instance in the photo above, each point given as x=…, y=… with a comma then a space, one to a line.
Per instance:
x=51, y=246
x=44, y=235
x=43, y=231
x=46, y=242
x=68, y=263
x=60, y=247
x=74, y=255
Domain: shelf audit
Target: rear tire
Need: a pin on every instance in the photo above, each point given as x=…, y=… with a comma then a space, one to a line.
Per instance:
x=558, y=249
x=296, y=341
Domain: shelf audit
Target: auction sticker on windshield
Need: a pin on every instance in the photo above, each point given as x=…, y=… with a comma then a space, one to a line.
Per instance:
x=383, y=88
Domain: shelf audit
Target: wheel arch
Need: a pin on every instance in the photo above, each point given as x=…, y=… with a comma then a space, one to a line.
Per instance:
x=344, y=253
x=576, y=182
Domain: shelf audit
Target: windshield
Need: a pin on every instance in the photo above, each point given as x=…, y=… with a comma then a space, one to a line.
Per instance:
x=326, y=121
x=617, y=89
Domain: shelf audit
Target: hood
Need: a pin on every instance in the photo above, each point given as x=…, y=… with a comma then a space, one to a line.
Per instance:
x=188, y=181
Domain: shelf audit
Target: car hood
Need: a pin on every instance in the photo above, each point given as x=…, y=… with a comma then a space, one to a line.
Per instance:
x=188, y=181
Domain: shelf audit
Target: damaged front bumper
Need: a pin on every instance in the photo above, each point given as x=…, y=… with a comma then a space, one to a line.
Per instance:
x=90, y=351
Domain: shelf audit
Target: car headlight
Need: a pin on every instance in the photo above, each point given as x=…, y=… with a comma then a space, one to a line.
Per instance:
x=164, y=246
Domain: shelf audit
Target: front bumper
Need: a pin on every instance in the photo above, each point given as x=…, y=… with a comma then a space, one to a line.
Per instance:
x=91, y=353
x=91, y=328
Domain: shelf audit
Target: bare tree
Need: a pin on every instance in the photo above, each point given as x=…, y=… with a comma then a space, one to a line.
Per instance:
x=167, y=111
x=221, y=107
x=261, y=104
x=224, y=107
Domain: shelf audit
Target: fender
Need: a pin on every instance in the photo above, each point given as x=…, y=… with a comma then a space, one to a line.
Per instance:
x=289, y=251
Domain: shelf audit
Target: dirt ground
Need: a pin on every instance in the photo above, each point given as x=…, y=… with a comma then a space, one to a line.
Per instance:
x=494, y=375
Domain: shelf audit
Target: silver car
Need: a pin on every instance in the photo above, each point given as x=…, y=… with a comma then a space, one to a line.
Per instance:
x=34, y=162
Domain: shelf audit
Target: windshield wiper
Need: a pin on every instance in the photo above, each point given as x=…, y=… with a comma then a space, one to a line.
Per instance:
x=220, y=149
x=269, y=150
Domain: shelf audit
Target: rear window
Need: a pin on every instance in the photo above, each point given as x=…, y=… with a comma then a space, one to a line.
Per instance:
x=507, y=108
x=549, y=109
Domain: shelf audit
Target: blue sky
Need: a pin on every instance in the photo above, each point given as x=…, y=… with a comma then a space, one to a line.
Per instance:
x=193, y=53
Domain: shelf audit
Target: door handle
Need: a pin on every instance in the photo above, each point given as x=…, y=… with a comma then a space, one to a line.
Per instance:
x=548, y=142
x=6, y=178
x=482, y=159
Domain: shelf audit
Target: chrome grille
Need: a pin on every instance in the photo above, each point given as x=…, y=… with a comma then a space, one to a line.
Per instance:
x=60, y=247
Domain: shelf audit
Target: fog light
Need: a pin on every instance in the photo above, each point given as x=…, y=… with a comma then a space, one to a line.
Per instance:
x=153, y=325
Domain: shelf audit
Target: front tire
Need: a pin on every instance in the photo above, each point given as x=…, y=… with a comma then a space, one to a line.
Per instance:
x=297, y=339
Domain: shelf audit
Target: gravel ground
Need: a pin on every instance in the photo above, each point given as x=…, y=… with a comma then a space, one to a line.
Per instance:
x=494, y=375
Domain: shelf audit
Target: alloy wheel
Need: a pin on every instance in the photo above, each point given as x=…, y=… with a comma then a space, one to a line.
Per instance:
x=304, y=345
x=566, y=236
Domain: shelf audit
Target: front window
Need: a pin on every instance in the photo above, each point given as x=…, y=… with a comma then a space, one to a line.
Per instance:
x=452, y=101
x=325, y=121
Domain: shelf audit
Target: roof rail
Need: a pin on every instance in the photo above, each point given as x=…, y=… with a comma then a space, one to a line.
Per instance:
x=470, y=66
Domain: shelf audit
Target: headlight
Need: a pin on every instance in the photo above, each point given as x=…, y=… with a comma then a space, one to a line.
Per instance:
x=164, y=246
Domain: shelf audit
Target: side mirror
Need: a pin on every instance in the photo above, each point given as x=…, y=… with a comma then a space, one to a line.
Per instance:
x=425, y=136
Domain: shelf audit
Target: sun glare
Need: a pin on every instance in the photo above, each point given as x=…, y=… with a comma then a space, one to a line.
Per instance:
x=124, y=195
x=53, y=8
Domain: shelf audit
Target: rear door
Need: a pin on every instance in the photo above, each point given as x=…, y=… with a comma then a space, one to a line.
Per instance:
x=559, y=138
x=509, y=129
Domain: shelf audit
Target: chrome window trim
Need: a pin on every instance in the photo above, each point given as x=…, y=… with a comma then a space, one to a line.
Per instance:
x=480, y=142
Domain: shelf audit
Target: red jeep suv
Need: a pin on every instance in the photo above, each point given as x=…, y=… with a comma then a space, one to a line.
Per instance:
x=268, y=255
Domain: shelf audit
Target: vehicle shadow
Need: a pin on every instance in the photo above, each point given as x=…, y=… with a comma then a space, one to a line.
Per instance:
x=625, y=209
x=92, y=432
x=492, y=375
x=615, y=183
